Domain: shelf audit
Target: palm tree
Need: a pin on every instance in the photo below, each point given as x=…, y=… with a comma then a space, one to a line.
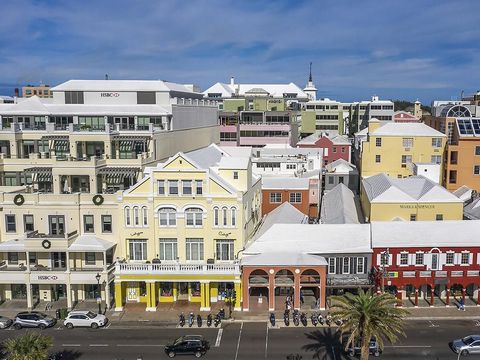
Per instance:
x=368, y=315
x=31, y=346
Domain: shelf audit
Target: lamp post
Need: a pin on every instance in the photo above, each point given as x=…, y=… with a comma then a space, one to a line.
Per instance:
x=99, y=298
x=385, y=260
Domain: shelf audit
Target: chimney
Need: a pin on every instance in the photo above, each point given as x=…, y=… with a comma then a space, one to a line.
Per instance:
x=373, y=124
x=17, y=92
x=232, y=81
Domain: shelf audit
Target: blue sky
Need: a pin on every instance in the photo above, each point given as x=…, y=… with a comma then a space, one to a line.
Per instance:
x=425, y=49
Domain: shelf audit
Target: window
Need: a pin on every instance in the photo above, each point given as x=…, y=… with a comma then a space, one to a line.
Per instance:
x=13, y=258
x=136, y=216
x=224, y=214
x=56, y=224
x=413, y=217
x=186, y=187
x=439, y=217
x=407, y=142
x=90, y=258
x=73, y=97
x=275, y=198
x=419, y=259
x=360, y=265
x=295, y=198
x=161, y=187
x=138, y=250
x=346, y=265
x=378, y=142
x=436, y=159
x=167, y=216
x=343, y=150
x=146, y=97
x=235, y=175
x=28, y=223
x=106, y=223
x=449, y=258
x=234, y=217
x=173, y=187
x=224, y=250
x=88, y=223
x=127, y=216
x=145, y=216
x=331, y=265
x=340, y=179
x=406, y=159
x=291, y=166
x=330, y=180
x=194, y=216
x=194, y=249
x=215, y=216
x=168, y=249
x=403, y=259
x=476, y=170
x=32, y=258
x=334, y=149
x=477, y=150
x=10, y=225
x=199, y=184
x=384, y=258
x=465, y=258
x=436, y=142
x=378, y=158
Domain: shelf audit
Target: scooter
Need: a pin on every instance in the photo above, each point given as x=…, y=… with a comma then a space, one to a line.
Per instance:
x=339, y=322
x=303, y=319
x=314, y=319
x=209, y=320
x=329, y=320
x=181, y=320
x=222, y=314
x=191, y=317
x=217, y=320
x=296, y=318
x=199, y=320
x=321, y=319
x=272, y=319
x=286, y=318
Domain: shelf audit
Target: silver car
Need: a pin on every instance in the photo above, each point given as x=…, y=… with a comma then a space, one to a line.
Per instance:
x=5, y=322
x=468, y=345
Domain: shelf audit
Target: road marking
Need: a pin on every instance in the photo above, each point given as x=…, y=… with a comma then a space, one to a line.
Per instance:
x=477, y=323
x=98, y=345
x=238, y=343
x=129, y=345
x=266, y=343
x=107, y=326
x=70, y=345
x=432, y=324
x=219, y=337
x=408, y=346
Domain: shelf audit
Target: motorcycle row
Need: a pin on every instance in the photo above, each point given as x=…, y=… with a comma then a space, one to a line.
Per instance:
x=216, y=321
x=302, y=318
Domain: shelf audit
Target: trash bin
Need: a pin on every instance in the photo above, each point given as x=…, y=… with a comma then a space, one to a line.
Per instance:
x=63, y=313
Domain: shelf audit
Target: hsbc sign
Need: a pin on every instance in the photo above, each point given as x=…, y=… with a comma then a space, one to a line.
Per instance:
x=47, y=278
x=109, y=94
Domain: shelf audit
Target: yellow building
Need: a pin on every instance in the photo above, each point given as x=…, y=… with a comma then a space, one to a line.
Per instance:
x=184, y=225
x=400, y=149
x=415, y=198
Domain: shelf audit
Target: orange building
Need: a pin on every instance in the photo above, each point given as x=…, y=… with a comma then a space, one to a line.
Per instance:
x=462, y=161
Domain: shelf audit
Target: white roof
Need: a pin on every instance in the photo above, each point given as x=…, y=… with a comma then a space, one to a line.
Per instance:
x=275, y=258
x=90, y=243
x=121, y=85
x=458, y=233
x=234, y=162
x=286, y=213
x=463, y=192
x=406, y=129
x=285, y=183
x=472, y=210
x=383, y=189
x=339, y=206
x=340, y=166
x=275, y=90
x=334, y=138
x=13, y=245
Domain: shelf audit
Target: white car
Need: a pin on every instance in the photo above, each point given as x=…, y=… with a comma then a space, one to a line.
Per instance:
x=84, y=319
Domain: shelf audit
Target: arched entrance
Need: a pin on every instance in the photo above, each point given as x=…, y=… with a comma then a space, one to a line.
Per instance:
x=258, y=290
x=310, y=289
x=284, y=287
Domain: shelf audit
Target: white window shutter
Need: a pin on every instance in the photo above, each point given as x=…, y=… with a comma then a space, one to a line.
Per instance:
x=470, y=258
x=379, y=262
x=398, y=258
x=442, y=261
x=427, y=260
x=390, y=259
x=456, y=258
x=411, y=259
x=478, y=258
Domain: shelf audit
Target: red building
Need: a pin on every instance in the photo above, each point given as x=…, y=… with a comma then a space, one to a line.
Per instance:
x=403, y=117
x=335, y=146
x=428, y=261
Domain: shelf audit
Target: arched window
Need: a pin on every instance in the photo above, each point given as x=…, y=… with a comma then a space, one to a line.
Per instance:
x=145, y=216
x=194, y=216
x=234, y=216
x=224, y=214
x=127, y=216
x=136, y=216
x=167, y=216
x=215, y=216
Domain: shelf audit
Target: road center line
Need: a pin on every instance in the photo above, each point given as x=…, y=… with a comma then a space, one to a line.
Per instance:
x=266, y=343
x=408, y=346
x=98, y=345
x=238, y=343
x=70, y=345
x=219, y=337
x=130, y=345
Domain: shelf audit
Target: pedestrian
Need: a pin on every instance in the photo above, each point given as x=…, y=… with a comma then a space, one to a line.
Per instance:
x=462, y=305
x=301, y=297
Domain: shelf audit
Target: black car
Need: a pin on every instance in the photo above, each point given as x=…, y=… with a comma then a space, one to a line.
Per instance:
x=188, y=344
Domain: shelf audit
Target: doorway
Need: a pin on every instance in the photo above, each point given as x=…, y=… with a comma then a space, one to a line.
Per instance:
x=133, y=291
x=182, y=291
x=59, y=260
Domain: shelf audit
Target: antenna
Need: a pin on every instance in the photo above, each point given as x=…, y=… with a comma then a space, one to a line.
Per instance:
x=106, y=76
x=310, y=77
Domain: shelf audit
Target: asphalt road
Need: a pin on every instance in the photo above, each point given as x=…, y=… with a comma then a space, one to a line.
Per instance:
x=249, y=341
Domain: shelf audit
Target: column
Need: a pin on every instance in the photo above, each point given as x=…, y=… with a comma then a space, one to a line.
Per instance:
x=107, y=294
x=154, y=295
x=174, y=291
x=29, y=297
x=69, y=296
x=447, y=300
x=67, y=259
x=118, y=296
x=432, y=296
x=478, y=295
x=202, y=297
x=271, y=292
x=105, y=262
x=399, y=298
x=150, y=297
x=416, y=297
x=207, y=296
x=238, y=300
x=463, y=294
x=246, y=291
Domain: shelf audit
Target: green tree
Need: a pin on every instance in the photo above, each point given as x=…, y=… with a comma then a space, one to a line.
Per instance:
x=31, y=346
x=368, y=315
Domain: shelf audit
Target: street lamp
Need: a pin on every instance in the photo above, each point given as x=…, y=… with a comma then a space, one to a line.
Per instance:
x=385, y=259
x=99, y=298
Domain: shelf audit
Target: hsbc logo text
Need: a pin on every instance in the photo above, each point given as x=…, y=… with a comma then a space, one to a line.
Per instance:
x=109, y=94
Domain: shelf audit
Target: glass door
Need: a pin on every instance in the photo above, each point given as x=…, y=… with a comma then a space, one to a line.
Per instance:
x=59, y=260
x=434, y=261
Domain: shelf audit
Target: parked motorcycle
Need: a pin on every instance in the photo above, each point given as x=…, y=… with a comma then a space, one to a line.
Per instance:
x=321, y=319
x=199, y=320
x=272, y=319
x=328, y=320
x=314, y=319
x=181, y=320
x=222, y=314
x=191, y=318
x=303, y=319
x=296, y=318
x=286, y=318
x=209, y=320
x=339, y=322
x=217, y=320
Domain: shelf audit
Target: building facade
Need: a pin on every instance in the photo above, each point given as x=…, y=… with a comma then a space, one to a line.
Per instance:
x=42, y=91
x=363, y=111
x=324, y=115
x=334, y=146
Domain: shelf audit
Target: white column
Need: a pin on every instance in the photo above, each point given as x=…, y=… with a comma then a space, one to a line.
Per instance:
x=29, y=296
x=69, y=296
x=68, y=261
x=107, y=293
x=105, y=261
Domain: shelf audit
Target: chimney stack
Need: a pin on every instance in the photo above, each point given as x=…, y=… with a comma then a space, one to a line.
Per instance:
x=17, y=92
x=232, y=81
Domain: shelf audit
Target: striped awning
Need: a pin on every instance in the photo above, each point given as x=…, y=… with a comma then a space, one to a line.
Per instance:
x=134, y=137
x=55, y=137
x=41, y=174
x=116, y=175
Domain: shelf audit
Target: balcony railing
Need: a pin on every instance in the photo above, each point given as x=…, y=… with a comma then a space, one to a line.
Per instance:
x=425, y=273
x=440, y=274
x=409, y=274
x=457, y=273
x=140, y=269
x=473, y=273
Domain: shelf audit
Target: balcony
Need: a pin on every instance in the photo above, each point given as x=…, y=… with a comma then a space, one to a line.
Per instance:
x=187, y=269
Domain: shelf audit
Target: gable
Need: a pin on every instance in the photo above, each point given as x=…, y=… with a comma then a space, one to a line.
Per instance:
x=217, y=189
x=179, y=162
x=141, y=187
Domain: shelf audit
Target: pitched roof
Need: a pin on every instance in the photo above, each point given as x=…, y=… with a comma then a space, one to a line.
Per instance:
x=381, y=188
x=121, y=85
x=406, y=129
x=463, y=192
x=472, y=210
x=340, y=166
x=286, y=213
x=275, y=90
x=335, y=138
x=339, y=206
x=285, y=183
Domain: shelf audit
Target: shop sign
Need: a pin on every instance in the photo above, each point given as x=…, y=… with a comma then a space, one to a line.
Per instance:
x=417, y=206
x=109, y=94
x=46, y=278
x=224, y=234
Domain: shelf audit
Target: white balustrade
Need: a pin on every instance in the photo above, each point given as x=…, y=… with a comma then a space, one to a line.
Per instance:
x=133, y=268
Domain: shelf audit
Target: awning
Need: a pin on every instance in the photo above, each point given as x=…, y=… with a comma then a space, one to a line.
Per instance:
x=13, y=245
x=90, y=243
x=55, y=137
x=125, y=171
x=43, y=174
x=134, y=137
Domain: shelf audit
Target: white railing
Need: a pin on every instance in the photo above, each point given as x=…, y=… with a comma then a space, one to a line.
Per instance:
x=473, y=273
x=132, y=268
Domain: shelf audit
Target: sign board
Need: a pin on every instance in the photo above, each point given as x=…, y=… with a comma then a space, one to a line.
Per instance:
x=43, y=278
